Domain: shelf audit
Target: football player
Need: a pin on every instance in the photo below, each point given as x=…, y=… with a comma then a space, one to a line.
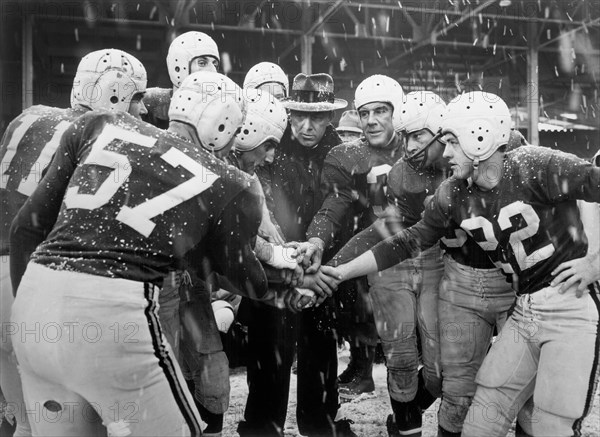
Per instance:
x=107, y=79
x=521, y=208
x=268, y=77
x=189, y=53
x=120, y=204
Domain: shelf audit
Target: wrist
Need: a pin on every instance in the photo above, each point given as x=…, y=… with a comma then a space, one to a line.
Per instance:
x=317, y=242
x=343, y=271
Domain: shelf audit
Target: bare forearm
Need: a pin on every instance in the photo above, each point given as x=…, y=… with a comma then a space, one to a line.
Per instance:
x=359, y=266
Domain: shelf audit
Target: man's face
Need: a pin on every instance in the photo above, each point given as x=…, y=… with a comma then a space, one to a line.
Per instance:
x=376, y=123
x=274, y=88
x=204, y=63
x=418, y=140
x=461, y=165
x=253, y=158
x=136, y=106
x=347, y=135
x=309, y=127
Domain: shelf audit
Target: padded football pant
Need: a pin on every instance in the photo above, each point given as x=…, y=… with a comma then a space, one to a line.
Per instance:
x=189, y=325
x=405, y=298
x=548, y=348
x=202, y=357
x=472, y=302
x=92, y=353
x=10, y=380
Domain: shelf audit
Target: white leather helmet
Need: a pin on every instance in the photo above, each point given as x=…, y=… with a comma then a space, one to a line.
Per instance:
x=480, y=121
x=266, y=120
x=266, y=72
x=108, y=79
x=380, y=88
x=211, y=103
x=184, y=49
x=422, y=110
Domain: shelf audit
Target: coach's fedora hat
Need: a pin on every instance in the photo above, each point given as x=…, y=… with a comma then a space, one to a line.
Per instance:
x=313, y=93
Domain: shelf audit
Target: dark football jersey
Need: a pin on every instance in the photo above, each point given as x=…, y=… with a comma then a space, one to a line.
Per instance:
x=460, y=245
x=136, y=200
x=26, y=150
x=353, y=172
x=157, y=102
x=408, y=192
x=528, y=224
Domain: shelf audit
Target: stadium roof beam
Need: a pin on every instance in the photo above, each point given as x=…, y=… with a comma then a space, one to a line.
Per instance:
x=305, y=39
x=429, y=41
x=583, y=25
x=425, y=10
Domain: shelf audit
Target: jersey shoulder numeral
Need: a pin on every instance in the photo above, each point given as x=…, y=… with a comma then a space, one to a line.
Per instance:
x=137, y=217
x=521, y=222
x=30, y=177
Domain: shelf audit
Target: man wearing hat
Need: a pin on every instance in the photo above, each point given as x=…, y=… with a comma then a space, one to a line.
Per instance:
x=349, y=126
x=292, y=187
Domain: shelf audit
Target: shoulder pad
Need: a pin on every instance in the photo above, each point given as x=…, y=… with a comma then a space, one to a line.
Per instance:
x=402, y=177
x=349, y=154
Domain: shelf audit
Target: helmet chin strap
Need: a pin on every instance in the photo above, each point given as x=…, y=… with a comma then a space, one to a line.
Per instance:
x=475, y=171
x=415, y=162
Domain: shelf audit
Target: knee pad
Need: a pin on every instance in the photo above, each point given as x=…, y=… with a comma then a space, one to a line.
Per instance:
x=453, y=411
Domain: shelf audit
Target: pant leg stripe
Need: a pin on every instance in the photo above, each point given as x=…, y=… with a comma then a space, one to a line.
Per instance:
x=594, y=290
x=168, y=366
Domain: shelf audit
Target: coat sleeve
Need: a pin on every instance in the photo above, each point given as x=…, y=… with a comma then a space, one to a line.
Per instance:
x=336, y=182
x=233, y=265
x=409, y=242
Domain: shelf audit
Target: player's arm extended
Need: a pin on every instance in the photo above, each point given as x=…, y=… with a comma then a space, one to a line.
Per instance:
x=38, y=215
x=569, y=177
x=264, y=174
x=393, y=250
x=336, y=183
x=378, y=231
x=231, y=248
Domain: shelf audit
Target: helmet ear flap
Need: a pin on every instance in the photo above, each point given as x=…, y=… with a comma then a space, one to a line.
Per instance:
x=212, y=104
x=480, y=121
x=266, y=120
x=108, y=79
x=219, y=123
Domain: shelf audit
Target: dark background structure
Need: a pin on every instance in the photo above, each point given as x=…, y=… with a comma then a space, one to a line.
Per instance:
x=541, y=56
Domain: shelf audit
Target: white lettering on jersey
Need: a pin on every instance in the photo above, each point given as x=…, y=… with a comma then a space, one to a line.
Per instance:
x=475, y=223
x=138, y=217
x=461, y=238
x=28, y=185
x=373, y=177
x=376, y=171
x=119, y=163
x=516, y=238
x=18, y=134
